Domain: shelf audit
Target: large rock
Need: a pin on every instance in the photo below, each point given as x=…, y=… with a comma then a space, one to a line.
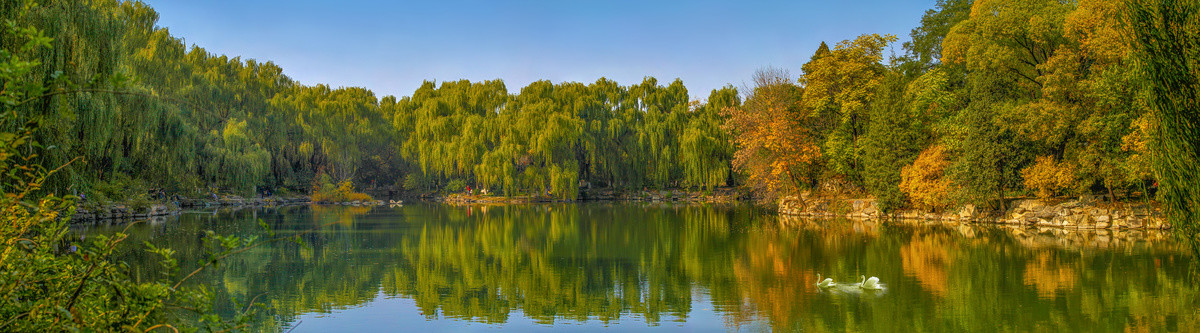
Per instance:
x=967, y=212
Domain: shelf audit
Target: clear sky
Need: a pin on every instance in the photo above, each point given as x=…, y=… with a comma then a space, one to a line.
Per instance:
x=392, y=46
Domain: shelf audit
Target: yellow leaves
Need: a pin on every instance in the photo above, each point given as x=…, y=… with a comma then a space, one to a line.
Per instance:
x=956, y=43
x=924, y=181
x=1049, y=177
x=846, y=78
x=1095, y=26
x=1041, y=120
x=1137, y=142
x=1062, y=73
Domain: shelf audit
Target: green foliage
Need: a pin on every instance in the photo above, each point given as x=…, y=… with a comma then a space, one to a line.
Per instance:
x=551, y=138
x=841, y=86
x=54, y=283
x=996, y=82
x=926, y=44
x=900, y=129
x=1168, y=40
x=986, y=159
x=456, y=186
x=413, y=182
x=195, y=120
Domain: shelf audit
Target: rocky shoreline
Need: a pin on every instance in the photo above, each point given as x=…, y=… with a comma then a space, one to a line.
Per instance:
x=1087, y=212
x=1030, y=237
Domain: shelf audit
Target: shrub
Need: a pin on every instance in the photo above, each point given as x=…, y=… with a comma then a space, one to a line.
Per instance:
x=413, y=182
x=455, y=186
x=924, y=181
x=55, y=283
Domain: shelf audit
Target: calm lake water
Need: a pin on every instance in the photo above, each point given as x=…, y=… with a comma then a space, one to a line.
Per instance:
x=629, y=266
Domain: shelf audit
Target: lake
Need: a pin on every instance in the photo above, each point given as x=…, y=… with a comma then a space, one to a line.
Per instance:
x=429, y=267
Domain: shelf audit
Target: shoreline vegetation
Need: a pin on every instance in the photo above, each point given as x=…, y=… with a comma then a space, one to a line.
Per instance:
x=1036, y=98
x=988, y=101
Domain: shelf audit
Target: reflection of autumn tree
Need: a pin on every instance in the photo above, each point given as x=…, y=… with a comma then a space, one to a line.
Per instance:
x=343, y=215
x=777, y=265
x=774, y=279
x=928, y=259
x=1049, y=276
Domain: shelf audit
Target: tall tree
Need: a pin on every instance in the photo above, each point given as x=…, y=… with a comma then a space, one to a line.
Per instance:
x=777, y=142
x=841, y=85
x=1168, y=46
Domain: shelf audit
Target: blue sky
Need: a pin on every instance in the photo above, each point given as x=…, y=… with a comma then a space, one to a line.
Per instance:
x=392, y=46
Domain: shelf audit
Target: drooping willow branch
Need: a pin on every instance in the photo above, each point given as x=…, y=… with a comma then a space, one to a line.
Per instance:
x=114, y=92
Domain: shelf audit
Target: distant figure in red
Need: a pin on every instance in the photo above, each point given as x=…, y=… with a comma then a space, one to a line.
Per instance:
x=469, y=189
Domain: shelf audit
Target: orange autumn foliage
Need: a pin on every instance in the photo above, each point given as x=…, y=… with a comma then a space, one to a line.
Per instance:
x=776, y=144
x=924, y=181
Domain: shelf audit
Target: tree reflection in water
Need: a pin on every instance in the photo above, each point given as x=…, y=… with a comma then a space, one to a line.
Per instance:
x=607, y=263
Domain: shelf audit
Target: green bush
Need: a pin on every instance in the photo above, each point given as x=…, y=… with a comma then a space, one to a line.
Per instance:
x=80, y=286
x=413, y=182
x=456, y=186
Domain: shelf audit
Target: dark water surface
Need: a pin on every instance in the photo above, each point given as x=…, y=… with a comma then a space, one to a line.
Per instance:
x=598, y=266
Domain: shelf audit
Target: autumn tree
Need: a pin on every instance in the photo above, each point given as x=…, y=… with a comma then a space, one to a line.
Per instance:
x=778, y=145
x=925, y=181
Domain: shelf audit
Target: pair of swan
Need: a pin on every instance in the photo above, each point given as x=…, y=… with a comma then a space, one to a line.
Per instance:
x=870, y=284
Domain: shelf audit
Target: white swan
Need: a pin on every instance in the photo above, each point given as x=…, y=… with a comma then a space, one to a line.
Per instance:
x=826, y=283
x=872, y=283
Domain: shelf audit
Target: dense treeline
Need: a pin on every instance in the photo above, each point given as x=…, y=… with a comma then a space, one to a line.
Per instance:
x=552, y=138
x=991, y=99
x=144, y=110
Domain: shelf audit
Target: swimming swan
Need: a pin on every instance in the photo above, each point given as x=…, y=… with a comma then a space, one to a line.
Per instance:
x=872, y=283
x=826, y=283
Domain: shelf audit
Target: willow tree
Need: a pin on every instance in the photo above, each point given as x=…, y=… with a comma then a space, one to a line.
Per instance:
x=704, y=147
x=1168, y=46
